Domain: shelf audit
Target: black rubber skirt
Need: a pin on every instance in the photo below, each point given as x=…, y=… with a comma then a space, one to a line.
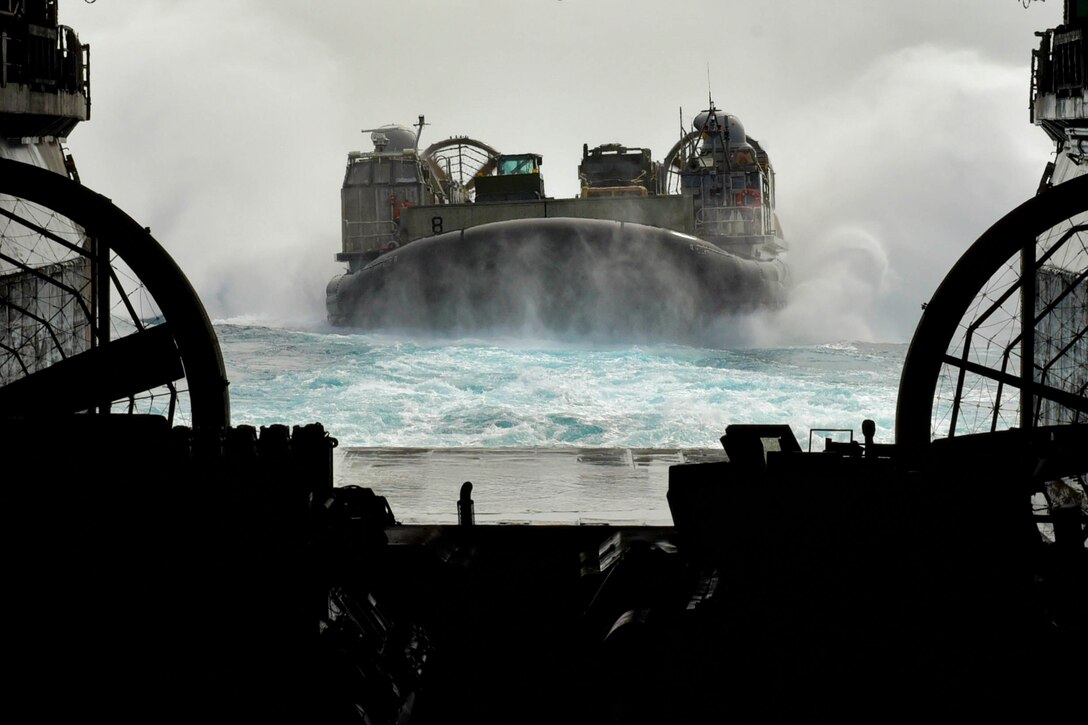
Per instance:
x=560, y=276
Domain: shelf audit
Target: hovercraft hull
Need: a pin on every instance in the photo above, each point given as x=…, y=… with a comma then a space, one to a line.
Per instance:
x=561, y=275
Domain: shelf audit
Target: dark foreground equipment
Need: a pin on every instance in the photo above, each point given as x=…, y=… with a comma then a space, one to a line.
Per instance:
x=170, y=572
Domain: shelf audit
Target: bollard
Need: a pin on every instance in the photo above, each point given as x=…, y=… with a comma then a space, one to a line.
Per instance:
x=466, y=515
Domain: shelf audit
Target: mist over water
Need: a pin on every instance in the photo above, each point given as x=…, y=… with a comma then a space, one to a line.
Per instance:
x=482, y=368
x=836, y=294
x=580, y=280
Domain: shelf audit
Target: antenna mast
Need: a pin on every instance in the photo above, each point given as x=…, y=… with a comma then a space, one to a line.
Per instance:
x=419, y=132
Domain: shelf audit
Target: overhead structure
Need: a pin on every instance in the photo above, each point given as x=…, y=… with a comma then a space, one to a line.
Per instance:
x=676, y=160
x=1003, y=343
x=459, y=161
x=95, y=316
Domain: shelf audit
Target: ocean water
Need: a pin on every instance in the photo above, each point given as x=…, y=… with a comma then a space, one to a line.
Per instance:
x=546, y=431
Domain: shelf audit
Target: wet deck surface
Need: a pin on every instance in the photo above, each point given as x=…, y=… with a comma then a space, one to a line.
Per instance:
x=521, y=485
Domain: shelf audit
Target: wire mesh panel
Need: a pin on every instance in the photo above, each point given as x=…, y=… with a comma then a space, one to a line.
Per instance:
x=94, y=314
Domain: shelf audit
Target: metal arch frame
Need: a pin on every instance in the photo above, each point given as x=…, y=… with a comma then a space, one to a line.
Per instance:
x=942, y=315
x=670, y=158
x=187, y=320
x=430, y=151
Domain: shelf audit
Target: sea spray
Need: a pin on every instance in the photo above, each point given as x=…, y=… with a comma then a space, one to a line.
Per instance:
x=382, y=390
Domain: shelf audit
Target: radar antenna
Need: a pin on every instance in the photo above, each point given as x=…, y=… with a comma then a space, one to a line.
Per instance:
x=709, y=94
x=419, y=132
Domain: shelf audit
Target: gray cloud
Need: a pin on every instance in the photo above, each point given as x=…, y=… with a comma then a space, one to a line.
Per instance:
x=899, y=132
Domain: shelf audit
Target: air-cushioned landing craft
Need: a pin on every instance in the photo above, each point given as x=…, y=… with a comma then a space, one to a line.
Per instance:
x=462, y=237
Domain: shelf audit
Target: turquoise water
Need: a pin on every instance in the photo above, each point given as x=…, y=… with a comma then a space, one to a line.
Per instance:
x=385, y=391
x=547, y=432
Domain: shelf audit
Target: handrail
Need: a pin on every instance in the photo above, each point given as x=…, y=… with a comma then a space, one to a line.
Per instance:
x=53, y=59
x=732, y=221
x=387, y=231
x=1060, y=63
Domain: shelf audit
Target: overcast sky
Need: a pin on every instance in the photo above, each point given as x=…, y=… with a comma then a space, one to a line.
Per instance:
x=899, y=131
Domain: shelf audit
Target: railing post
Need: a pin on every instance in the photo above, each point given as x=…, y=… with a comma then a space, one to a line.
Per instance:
x=1027, y=334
